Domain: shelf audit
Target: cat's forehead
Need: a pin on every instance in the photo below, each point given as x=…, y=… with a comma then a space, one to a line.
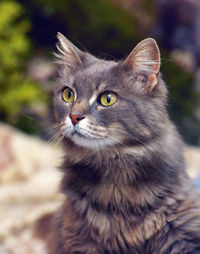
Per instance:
x=94, y=76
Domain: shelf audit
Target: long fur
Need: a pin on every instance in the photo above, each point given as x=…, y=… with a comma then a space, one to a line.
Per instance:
x=127, y=192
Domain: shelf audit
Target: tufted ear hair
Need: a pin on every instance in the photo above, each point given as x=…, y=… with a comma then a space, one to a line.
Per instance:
x=145, y=57
x=68, y=55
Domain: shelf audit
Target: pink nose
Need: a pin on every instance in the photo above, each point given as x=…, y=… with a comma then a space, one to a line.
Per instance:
x=76, y=118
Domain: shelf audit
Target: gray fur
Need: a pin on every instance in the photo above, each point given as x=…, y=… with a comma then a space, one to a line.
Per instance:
x=126, y=191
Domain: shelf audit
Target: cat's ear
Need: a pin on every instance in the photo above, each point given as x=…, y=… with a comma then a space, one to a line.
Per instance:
x=145, y=57
x=68, y=54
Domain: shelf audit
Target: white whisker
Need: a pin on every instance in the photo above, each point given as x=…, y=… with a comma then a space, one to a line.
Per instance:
x=54, y=138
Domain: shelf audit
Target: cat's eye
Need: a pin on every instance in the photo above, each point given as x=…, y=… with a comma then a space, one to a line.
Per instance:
x=68, y=95
x=108, y=99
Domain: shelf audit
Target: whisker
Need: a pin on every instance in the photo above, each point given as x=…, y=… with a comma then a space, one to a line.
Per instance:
x=54, y=138
x=59, y=141
x=124, y=132
x=28, y=117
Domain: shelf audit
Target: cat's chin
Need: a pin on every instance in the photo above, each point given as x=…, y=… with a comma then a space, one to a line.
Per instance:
x=83, y=141
x=91, y=143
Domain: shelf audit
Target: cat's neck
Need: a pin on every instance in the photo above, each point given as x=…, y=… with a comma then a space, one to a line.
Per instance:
x=125, y=178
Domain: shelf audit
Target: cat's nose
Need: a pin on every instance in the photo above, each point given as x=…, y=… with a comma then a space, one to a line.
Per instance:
x=76, y=118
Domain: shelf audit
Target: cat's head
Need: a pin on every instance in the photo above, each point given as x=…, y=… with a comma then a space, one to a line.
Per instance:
x=100, y=103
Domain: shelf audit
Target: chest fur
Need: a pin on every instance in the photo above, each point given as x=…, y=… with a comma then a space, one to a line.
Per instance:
x=104, y=232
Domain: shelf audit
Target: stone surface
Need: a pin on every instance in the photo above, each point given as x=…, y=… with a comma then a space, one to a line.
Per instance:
x=29, y=189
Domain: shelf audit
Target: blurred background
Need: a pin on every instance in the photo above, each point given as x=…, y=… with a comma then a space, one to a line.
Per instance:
x=108, y=29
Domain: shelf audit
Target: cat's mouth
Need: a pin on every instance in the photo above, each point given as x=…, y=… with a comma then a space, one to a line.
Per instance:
x=85, y=139
x=77, y=133
x=86, y=134
x=82, y=133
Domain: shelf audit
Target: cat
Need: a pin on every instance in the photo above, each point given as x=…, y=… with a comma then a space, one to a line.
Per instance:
x=125, y=185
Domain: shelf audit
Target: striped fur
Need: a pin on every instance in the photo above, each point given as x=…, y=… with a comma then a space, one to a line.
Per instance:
x=126, y=190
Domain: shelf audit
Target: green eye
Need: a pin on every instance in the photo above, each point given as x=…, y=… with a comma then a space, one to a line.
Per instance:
x=108, y=99
x=68, y=95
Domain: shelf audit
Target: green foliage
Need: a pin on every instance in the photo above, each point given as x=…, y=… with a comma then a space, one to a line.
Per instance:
x=182, y=100
x=96, y=24
x=104, y=23
x=16, y=90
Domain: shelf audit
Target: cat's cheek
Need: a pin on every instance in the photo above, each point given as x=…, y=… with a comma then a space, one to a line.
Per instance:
x=117, y=132
x=83, y=124
x=67, y=127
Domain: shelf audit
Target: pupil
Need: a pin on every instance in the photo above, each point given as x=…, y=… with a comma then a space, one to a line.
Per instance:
x=69, y=94
x=108, y=98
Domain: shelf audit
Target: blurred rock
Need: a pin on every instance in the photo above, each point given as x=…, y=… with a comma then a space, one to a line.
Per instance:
x=192, y=157
x=43, y=70
x=29, y=189
x=197, y=91
x=29, y=192
x=184, y=59
x=21, y=155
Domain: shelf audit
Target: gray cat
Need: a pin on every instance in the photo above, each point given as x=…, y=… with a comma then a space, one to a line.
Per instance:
x=125, y=186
